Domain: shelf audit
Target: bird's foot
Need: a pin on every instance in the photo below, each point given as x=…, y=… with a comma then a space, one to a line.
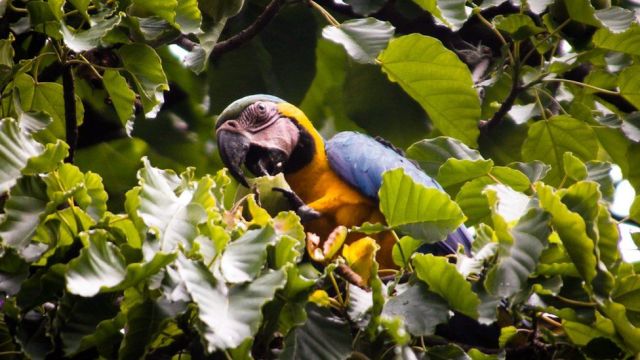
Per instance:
x=303, y=210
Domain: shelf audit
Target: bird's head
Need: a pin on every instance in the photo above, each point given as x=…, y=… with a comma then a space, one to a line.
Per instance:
x=265, y=134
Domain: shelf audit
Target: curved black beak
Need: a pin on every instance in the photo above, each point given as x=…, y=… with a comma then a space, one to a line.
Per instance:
x=233, y=149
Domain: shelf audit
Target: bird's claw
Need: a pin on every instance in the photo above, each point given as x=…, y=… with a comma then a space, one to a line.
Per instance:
x=304, y=211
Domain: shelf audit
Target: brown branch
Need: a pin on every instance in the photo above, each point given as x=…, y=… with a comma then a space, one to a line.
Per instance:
x=70, y=118
x=507, y=104
x=250, y=32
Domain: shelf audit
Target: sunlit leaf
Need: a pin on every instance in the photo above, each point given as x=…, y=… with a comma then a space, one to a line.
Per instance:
x=89, y=39
x=624, y=42
x=424, y=213
x=437, y=79
x=26, y=203
x=549, y=139
x=227, y=319
x=16, y=148
x=244, y=257
x=360, y=256
x=363, y=39
x=452, y=13
x=144, y=65
x=444, y=280
x=121, y=95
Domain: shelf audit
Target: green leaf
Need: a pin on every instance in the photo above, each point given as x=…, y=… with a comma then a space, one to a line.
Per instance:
x=549, y=139
x=145, y=67
x=520, y=258
x=432, y=153
x=574, y=167
x=323, y=334
x=455, y=171
x=615, y=18
x=518, y=26
x=16, y=148
x=49, y=160
x=629, y=333
x=363, y=39
x=227, y=319
x=437, y=79
x=121, y=95
x=244, y=257
x=453, y=13
x=444, y=280
x=447, y=352
x=175, y=217
x=403, y=249
x=99, y=266
x=89, y=39
x=420, y=310
x=188, y=16
x=634, y=211
x=581, y=11
x=424, y=213
x=144, y=321
x=624, y=42
x=628, y=83
x=26, y=203
x=572, y=231
x=473, y=202
x=581, y=334
x=166, y=9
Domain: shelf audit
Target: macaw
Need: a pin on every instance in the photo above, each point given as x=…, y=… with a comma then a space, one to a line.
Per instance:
x=332, y=183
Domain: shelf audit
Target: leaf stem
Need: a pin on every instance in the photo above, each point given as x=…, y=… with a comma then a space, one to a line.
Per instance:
x=588, y=86
x=337, y=288
x=576, y=302
x=504, y=42
x=330, y=19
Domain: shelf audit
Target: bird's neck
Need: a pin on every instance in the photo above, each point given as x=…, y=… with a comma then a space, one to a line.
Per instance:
x=308, y=164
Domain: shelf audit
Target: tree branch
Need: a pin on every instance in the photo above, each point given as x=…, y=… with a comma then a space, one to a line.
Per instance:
x=70, y=118
x=250, y=32
x=499, y=115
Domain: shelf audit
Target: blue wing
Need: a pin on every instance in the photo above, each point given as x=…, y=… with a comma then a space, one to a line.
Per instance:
x=360, y=161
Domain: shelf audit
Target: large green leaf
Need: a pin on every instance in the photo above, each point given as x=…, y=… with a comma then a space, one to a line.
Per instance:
x=518, y=26
x=424, y=213
x=16, y=148
x=420, y=310
x=436, y=78
x=324, y=335
x=363, y=39
x=455, y=171
x=46, y=97
x=572, y=231
x=444, y=280
x=121, y=95
x=549, y=139
x=529, y=238
x=628, y=81
x=625, y=42
x=145, y=67
x=227, y=319
x=89, y=39
x=433, y=153
x=23, y=208
x=244, y=257
x=188, y=16
x=100, y=265
x=175, y=217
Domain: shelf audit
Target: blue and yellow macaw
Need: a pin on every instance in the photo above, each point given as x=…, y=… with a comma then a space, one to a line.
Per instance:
x=333, y=183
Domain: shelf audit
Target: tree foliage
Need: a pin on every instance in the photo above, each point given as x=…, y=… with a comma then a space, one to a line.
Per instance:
x=123, y=237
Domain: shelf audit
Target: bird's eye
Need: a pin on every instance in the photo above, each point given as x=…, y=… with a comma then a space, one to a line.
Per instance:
x=261, y=108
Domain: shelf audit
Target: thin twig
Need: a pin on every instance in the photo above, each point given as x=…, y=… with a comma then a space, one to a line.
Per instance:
x=70, y=119
x=588, y=86
x=330, y=19
x=504, y=42
x=251, y=31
